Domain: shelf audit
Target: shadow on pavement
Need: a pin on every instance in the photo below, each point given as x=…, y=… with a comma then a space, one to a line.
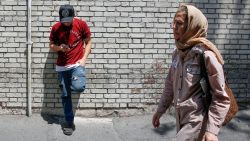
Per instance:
x=53, y=119
x=241, y=122
x=164, y=128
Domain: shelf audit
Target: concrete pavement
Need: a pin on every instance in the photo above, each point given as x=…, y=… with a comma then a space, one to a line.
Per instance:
x=133, y=128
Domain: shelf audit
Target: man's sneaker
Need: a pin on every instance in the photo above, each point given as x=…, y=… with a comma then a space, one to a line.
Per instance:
x=68, y=128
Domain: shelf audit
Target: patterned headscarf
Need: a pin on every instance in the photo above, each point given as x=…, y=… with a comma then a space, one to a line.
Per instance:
x=196, y=32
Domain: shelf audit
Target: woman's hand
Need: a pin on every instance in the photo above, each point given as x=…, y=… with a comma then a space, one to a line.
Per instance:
x=209, y=137
x=156, y=119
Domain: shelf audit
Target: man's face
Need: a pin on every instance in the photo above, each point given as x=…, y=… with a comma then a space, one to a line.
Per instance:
x=67, y=24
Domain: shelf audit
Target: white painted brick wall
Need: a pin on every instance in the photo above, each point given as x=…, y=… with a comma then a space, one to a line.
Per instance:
x=132, y=46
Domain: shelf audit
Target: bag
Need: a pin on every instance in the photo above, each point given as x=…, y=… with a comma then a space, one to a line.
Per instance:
x=233, y=109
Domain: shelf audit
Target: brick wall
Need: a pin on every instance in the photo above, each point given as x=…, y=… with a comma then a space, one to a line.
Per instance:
x=132, y=45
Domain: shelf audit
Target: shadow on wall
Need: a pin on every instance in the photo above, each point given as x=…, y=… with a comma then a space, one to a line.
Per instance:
x=231, y=33
x=238, y=58
x=52, y=110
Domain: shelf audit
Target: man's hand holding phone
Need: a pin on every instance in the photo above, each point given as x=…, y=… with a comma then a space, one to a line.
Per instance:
x=64, y=48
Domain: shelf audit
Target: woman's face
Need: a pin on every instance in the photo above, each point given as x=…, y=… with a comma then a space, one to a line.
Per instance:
x=179, y=25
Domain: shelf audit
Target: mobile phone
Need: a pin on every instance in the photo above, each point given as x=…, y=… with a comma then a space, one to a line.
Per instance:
x=65, y=46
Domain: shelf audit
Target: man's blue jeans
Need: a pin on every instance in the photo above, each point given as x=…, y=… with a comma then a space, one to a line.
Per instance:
x=71, y=80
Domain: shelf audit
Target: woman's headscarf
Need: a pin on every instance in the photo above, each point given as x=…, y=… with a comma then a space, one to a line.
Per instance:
x=196, y=32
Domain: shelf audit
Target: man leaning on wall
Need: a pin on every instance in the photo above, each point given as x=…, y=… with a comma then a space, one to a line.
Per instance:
x=71, y=39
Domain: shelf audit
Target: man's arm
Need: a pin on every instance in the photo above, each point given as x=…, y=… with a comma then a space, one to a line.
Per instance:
x=88, y=47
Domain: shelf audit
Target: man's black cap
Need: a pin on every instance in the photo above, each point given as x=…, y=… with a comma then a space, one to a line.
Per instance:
x=66, y=13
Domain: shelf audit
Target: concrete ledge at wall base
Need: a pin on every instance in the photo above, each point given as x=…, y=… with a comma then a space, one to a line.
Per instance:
x=99, y=112
x=84, y=112
x=12, y=111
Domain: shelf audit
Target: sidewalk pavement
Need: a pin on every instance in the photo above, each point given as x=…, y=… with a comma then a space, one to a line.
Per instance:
x=134, y=128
